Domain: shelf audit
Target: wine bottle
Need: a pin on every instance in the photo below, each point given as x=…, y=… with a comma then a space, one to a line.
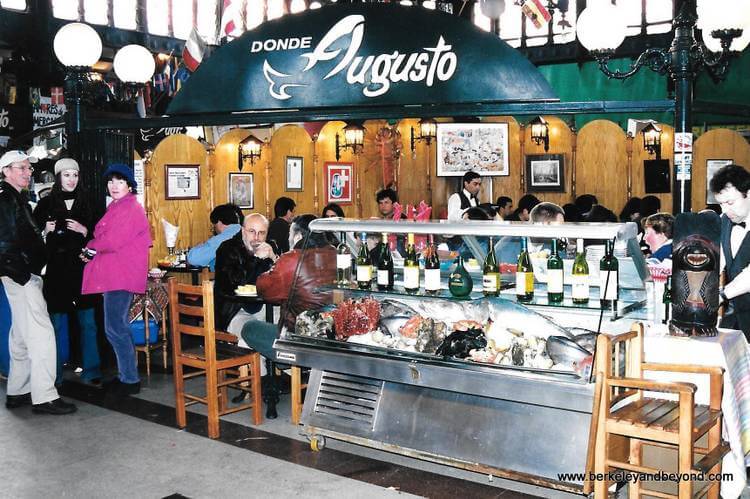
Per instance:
x=554, y=276
x=364, y=265
x=667, y=300
x=431, y=269
x=609, y=275
x=491, y=273
x=385, y=266
x=411, y=266
x=580, y=275
x=460, y=283
x=524, y=275
x=343, y=262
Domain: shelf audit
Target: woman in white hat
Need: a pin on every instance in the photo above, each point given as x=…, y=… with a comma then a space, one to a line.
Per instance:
x=67, y=220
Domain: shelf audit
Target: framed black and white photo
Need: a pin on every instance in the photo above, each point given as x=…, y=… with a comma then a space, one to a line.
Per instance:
x=545, y=173
x=479, y=147
x=241, y=189
x=712, y=166
x=294, y=173
x=656, y=176
x=182, y=182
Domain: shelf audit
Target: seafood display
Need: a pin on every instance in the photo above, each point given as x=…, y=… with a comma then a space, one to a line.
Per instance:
x=492, y=331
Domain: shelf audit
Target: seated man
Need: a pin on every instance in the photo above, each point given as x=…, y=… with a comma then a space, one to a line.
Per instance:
x=239, y=261
x=226, y=220
x=658, y=235
x=278, y=231
x=542, y=213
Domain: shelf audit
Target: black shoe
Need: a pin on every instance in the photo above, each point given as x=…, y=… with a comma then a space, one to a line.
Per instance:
x=14, y=401
x=117, y=387
x=56, y=407
x=238, y=399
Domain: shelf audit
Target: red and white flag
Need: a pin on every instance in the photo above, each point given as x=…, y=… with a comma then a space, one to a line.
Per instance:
x=231, y=18
x=56, y=95
x=192, y=54
x=536, y=12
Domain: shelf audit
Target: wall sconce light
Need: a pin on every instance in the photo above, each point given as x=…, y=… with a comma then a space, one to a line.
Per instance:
x=354, y=138
x=652, y=139
x=540, y=132
x=427, y=132
x=248, y=148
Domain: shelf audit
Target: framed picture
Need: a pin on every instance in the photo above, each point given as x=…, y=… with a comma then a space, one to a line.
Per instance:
x=338, y=182
x=656, y=175
x=479, y=147
x=294, y=172
x=241, y=189
x=182, y=181
x=545, y=173
x=712, y=166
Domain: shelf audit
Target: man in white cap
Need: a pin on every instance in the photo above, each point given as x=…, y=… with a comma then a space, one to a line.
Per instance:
x=33, y=358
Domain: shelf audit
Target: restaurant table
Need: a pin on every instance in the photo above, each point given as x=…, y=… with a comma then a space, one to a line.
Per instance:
x=729, y=350
x=195, y=272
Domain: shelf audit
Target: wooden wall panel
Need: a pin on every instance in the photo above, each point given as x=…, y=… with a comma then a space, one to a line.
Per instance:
x=561, y=139
x=715, y=144
x=291, y=140
x=325, y=149
x=223, y=160
x=192, y=216
x=601, y=165
x=638, y=174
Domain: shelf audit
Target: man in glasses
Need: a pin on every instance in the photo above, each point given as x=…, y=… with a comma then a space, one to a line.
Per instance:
x=33, y=358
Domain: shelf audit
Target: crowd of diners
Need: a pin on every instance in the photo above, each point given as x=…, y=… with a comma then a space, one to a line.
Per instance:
x=58, y=264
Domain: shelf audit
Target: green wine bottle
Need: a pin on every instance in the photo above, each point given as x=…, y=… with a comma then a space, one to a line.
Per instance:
x=554, y=276
x=609, y=278
x=364, y=265
x=524, y=275
x=411, y=267
x=580, y=276
x=491, y=273
x=343, y=262
x=460, y=283
x=667, y=300
x=431, y=269
x=385, y=266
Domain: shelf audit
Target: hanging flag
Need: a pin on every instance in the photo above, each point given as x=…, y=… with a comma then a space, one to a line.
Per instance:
x=230, y=17
x=160, y=82
x=195, y=47
x=536, y=12
x=169, y=72
x=56, y=94
x=180, y=77
x=141, y=104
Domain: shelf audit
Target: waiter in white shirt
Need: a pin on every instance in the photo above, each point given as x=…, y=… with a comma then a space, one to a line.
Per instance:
x=731, y=185
x=466, y=198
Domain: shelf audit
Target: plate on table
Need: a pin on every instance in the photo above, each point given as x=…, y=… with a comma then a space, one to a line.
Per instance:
x=247, y=290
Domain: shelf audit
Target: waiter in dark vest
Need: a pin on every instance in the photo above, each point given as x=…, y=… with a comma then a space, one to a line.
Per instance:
x=731, y=185
x=466, y=198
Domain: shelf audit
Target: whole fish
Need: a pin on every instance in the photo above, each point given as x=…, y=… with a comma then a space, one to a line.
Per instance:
x=565, y=351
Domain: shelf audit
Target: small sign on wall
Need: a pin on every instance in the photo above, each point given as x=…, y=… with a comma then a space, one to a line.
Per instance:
x=182, y=181
x=338, y=182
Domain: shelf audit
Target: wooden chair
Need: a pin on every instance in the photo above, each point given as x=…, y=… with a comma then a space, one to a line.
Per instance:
x=625, y=410
x=148, y=347
x=217, y=358
x=297, y=400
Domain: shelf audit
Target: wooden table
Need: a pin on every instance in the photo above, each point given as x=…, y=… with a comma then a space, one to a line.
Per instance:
x=195, y=272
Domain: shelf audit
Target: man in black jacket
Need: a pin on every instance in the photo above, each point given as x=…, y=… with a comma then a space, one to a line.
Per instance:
x=278, y=231
x=33, y=355
x=239, y=261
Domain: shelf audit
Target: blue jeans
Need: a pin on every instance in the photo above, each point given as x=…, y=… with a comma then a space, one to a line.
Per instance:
x=117, y=330
x=260, y=335
x=89, y=349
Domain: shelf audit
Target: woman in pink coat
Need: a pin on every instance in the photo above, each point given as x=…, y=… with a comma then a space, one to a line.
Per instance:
x=118, y=268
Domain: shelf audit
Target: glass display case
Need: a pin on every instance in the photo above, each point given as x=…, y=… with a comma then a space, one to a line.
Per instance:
x=388, y=328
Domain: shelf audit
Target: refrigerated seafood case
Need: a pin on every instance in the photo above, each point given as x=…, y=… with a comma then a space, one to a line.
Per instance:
x=481, y=383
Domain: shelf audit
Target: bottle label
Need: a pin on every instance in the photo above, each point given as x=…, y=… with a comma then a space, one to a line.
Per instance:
x=343, y=261
x=411, y=277
x=490, y=283
x=554, y=281
x=383, y=277
x=611, y=287
x=432, y=279
x=364, y=273
x=524, y=282
x=580, y=287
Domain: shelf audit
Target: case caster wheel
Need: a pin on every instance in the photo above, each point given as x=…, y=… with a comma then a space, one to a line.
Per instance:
x=317, y=443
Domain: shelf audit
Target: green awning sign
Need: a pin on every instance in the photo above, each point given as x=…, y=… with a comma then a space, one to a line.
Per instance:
x=361, y=55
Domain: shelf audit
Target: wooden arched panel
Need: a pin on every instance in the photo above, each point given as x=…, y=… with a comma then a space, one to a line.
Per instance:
x=715, y=144
x=561, y=139
x=601, y=163
x=638, y=176
x=192, y=215
x=325, y=149
x=224, y=160
x=289, y=140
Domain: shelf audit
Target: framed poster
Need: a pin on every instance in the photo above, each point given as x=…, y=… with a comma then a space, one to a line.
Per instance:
x=294, y=172
x=241, y=189
x=338, y=182
x=545, y=173
x=479, y=147
x=656, y=175
x=712, y=166
x=182, y=181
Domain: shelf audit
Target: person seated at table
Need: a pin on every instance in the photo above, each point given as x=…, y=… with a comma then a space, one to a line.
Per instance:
x=333, y=210
x=278, y=231
x=239, y=261
x=226, y=220
x=658, y=235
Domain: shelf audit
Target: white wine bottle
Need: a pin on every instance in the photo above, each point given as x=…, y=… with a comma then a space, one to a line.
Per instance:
x=411, y=267
x=580, y=276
